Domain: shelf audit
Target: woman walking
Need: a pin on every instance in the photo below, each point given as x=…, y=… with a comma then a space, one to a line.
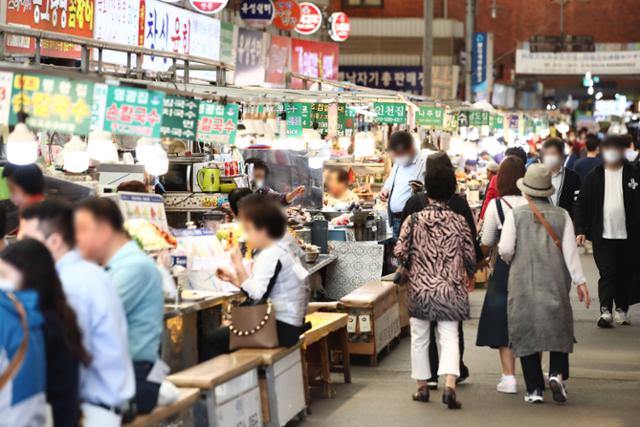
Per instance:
x=436, y=247
x=493, y=329
x=538, y=241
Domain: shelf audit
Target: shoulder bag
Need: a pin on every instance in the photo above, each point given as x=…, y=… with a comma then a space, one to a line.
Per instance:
x=545, y=224
x=18, y=358
x=254, y=325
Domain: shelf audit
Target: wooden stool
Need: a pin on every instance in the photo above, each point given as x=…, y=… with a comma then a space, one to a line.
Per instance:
x=188, y=396
x=281, y=383
x=227, y=382
x=328, y=333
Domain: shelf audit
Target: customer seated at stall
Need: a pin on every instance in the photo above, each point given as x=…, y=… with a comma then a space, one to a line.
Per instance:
x=133, y=186
x=260, y=175
x=265, y=226
x=28, y=265
x=101, y=237
x=23, y=395
x=26, y=184
x=338, y=189
x=108, y=382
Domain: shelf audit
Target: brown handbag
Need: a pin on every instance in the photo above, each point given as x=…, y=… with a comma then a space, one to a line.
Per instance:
x=18, y=358
x=542, y=220
x=254, y=325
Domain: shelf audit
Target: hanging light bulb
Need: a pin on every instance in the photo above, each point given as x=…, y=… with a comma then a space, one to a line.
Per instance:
x=75, y=155
x=156, y=161
x=22, y=147
x=100, y=146
x=143, y=148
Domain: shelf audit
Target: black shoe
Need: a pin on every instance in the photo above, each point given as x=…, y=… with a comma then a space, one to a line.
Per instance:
x=606, y=319
x=449, y=399
x=422, y=395
x=464, y=374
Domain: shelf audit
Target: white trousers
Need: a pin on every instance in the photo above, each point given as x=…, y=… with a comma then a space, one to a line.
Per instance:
x=449, y=350
x=95, y=416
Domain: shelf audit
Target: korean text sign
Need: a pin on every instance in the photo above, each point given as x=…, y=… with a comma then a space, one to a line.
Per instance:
x=390, y=112
x=250, y=58
x=133, y=111
x=52, y=103
x=278, y=60
x=179, y=117
x=314, y=59
x=117, y=22
x=430, y=116
x=73, y=17
x=217, y=123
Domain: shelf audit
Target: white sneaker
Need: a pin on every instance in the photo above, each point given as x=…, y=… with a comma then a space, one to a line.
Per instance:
x=508, y=384
x=558, y=390
x=621, y=317
x=536, y=397
x=606, y=319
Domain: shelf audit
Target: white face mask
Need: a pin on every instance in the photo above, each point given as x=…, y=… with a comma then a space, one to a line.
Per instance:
x=402, y=160
x=551, y=161
x=630, y=154
x=7, y=285
x=611, y=156
x=259, y=183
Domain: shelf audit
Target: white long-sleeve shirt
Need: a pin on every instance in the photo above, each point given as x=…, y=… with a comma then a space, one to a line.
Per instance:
x=492, y=224
x=290, y=293
x=507, y=246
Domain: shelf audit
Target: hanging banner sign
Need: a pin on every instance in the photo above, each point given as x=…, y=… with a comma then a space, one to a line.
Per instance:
x=278, y=60
x=133, y=111
x=339, y=27
x=497, y=121
x=346, y=120
x=226, y=42
x=476, y=118
x=6, y=82
x=310, y=19
x=179, y=117
x=319, y=114
x=481, y=65
x=294, y=119
x=314, y=59
x=486, y=118
x=287, y=14
x=578, y=63
x=52, y=103
x=174, y=29
x=67, y=17
x=250, y=58
x=257, y=13
x=217, y=123
x=390, y=112
x=208, y=7
x=116, y=21
x=430, y=116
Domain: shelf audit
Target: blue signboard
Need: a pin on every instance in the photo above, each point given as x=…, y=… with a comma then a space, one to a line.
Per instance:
x=392, y=77
x=479, y=78
x=257, y=13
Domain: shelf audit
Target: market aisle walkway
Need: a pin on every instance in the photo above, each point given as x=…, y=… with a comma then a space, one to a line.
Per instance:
x=604, y=390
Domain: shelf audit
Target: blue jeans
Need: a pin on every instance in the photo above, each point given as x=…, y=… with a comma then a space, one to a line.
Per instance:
x=396, y=223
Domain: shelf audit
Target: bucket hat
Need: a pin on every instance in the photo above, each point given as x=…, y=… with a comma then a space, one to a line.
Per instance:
x=536, y=182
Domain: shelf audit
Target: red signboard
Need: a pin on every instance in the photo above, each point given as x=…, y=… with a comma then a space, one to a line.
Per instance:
x=339, y=27
x=278, y=60
x=314, y=59
x=73, y=17
x=287, y=14
x=208, y=7
x=310, y=20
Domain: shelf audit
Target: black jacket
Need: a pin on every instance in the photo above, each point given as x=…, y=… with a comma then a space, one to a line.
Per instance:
x=589, y=204
x=419, y=201
x=568, y=190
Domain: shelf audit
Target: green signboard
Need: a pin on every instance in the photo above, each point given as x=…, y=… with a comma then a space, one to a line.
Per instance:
x=52, y=103
x=226, y=42
x=497, y=121
x=430, y=116
x=486, y=118
x=390, y=112
x=133, y=111
x=476, y=118
x=217, y=123
x=294, y=119
x=346, y=120
x=319, y=114
x=179, y=118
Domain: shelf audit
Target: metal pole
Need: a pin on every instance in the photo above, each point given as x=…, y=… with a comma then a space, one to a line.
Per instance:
x=468, y=47
x=445, y=9
x=427, y=48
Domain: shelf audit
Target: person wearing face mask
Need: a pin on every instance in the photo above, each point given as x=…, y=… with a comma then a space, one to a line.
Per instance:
x=260, y=174
x=632, y=153
x=406, y=177
x=607, y=212
x=565, y=180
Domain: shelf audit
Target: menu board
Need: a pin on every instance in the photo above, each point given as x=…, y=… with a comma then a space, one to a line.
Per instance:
x=149, y=207
x=319, y=113
x=430, y=116
x=73, y=17
x=133, y=111
x=174, y=29
x=179, y=117
x=250, y=58
x=52, y=103
x=390, y=112
x=116, y=22
x=217, y=123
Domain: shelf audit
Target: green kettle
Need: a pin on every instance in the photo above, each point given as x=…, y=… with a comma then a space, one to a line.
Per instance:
x=208, y=179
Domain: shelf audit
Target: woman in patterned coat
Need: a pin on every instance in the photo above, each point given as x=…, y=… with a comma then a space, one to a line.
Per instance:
x=436, y=247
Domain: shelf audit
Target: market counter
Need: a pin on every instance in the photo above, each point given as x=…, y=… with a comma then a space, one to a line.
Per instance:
x=324, y=260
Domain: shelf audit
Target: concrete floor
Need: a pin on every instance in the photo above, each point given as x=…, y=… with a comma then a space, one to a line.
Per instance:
x=604, y=390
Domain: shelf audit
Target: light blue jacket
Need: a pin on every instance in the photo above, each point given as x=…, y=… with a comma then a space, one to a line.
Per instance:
x=22, y=400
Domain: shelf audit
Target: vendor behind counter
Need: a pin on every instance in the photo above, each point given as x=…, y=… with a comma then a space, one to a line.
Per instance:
x=338, y=189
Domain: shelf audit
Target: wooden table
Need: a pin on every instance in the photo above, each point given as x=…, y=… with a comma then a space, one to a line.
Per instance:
x=328, y=334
